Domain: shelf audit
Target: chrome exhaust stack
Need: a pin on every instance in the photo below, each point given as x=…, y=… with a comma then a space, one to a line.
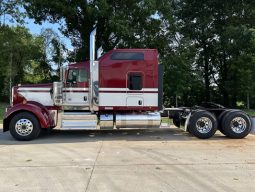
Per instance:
x=92, y=46
x=93, y=83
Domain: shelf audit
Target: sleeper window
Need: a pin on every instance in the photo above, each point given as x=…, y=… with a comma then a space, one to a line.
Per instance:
x=135, y=81
x=127, y=56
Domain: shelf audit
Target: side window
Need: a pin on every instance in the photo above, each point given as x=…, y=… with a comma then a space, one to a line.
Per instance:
x=127, y=56
x=135, y=81
x=82, y=76
x=76, y=75
x=72, y=75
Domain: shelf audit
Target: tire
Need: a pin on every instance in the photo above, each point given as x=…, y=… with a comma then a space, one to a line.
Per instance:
x=220, y=119
x=236, y=124
x=24, y=127
x=202, y=124
x=176, y=122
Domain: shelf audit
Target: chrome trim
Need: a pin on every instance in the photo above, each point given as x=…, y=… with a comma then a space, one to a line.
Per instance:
x=77, y=121
x=78, y=124
x=11, y=104
x=95, y=89
x=186, y=124
x=54, y=115
x=58, y=93
x=204, y=125
x=92, y=63
x=75, y=107
x=24, y=127
x=238, y=125
x=100, y=52
x=106, y=121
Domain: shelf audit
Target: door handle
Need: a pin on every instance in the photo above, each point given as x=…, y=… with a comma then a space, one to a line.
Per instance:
x=85, y=98
x=140, y=102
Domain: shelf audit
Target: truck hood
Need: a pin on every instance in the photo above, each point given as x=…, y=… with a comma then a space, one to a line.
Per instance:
x=45, y=85
x=40, y=93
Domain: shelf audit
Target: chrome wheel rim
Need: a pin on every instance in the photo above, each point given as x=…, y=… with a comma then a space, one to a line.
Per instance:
x=24, y=127
x=204, y=125
x=238, y=125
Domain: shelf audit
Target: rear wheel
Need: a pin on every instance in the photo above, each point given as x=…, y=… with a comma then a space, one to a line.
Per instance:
x=24, y=127
x=220, y=119
x=236, y=124
x=202, y=124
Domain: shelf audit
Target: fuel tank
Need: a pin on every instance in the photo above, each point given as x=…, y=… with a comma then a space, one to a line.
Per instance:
x=138, y=120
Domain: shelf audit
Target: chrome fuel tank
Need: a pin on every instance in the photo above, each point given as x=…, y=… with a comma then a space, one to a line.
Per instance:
x=138, y=120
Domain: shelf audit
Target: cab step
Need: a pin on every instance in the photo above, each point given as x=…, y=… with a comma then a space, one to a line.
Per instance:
x=78, y=121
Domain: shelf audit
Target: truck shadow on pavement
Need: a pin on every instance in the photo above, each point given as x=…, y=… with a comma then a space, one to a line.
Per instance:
x=57, y=136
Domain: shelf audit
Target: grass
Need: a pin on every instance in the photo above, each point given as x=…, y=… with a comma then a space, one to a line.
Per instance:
x=167, y=120
x=250, y=112
x=2, y=111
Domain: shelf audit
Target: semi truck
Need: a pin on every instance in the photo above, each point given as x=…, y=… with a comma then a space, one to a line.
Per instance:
x=120, y=89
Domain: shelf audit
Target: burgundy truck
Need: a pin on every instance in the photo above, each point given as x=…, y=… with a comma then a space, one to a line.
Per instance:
x=121, y=89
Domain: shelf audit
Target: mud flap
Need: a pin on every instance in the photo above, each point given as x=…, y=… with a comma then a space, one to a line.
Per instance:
x=252, y=125
x=185, y=126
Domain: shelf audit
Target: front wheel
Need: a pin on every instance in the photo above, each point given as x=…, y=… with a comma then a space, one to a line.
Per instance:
x=24, y=127
x=202, y=124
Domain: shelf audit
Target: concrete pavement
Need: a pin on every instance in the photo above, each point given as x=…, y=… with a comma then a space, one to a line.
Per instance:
x=136, y=160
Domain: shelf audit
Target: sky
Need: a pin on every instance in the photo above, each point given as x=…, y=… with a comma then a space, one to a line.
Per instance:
x=36, y=30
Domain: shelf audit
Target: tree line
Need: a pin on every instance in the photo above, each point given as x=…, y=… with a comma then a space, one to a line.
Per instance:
x=206, y=47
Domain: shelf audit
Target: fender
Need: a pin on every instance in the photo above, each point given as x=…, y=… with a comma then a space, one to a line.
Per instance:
x=40, y=111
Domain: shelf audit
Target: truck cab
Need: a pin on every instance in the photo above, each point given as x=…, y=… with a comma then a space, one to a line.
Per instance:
x=120, y=89
x=128, y=75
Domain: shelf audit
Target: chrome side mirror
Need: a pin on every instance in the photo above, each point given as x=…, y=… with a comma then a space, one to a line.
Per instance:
x=100, y=52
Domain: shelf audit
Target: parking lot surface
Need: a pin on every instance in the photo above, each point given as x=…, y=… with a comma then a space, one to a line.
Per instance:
x=160, y=160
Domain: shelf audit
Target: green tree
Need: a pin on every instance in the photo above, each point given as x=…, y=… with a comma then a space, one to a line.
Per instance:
x=55, y=50
x=133, y=23
x=12, y=9
x=220, y=31
x=22, y=58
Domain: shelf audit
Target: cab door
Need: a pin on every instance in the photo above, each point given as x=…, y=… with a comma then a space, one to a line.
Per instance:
x=135, y=96
x=76, y=87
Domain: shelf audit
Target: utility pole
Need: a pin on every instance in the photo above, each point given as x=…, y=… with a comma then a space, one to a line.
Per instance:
x=176, y=100
x=248, y=100
x=10, y=80
x=59, y=56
